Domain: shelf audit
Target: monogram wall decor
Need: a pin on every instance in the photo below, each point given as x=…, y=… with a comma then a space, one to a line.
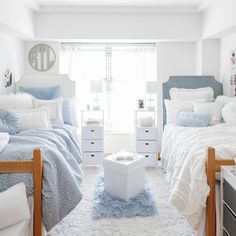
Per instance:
x=42, y=57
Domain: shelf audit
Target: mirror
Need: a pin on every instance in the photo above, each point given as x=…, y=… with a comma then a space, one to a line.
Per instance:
x=42, y=57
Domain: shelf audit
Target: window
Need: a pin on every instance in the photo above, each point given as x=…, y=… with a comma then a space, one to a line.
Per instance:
x=123, y=68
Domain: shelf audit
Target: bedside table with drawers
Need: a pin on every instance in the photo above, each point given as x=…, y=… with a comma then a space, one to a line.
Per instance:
x=146, y=137
x=92, y=138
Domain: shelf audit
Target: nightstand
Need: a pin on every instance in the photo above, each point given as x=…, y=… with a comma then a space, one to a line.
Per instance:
x=146, y=136
x=92, y=137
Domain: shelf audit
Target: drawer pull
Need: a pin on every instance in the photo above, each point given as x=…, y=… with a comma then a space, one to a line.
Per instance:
x=146, y=155
x=92, y=142
x=92, y=155
x=146, y=131
x=146, y=143
x=92, y=130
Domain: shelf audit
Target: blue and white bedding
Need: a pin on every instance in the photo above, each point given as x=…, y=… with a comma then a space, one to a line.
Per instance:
x=62, y=174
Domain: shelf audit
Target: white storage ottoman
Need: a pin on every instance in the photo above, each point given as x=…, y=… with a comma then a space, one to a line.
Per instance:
x=124, y=179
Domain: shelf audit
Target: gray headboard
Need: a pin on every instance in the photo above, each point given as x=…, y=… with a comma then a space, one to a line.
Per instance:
x=189, y=82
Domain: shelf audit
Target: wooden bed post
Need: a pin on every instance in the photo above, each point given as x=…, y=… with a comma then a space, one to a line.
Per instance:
x=38, y=176
x=211, y=207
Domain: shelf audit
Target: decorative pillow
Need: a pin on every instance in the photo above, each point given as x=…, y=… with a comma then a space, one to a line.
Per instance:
x=9, y=121
x=69, y=112
x=16, y=101
x=14, y=206
x=173, y=108
x=229, y=113
x=34, y=118
x=46, y=93
x=191, y=119
x=182, y=94
x=212, y=108
x=225, y=99
x=55, y=108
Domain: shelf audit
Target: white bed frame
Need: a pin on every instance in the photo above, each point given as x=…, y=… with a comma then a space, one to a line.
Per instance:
x=67, y=85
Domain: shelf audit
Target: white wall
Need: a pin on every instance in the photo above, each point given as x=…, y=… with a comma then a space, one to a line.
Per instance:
x=11, y=57
x=219, y=19
x=227, y=44
x=118, y=26
x=16, y=18
x=52, y=71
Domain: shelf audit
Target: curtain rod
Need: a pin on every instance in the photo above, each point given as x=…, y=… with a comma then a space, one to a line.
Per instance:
x=108, y=44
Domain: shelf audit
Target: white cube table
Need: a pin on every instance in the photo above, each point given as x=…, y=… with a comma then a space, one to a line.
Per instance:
x=124, y=179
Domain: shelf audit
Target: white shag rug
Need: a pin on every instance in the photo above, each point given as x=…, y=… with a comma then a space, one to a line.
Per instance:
x=168, y=222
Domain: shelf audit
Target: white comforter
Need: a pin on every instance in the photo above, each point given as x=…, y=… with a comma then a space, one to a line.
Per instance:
x=184, y=152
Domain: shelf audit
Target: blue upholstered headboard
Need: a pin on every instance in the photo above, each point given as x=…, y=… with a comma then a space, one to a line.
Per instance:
x=189, y=82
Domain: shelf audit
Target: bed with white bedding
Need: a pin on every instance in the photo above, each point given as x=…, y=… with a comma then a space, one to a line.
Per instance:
x=184, y=153
x=184, y=149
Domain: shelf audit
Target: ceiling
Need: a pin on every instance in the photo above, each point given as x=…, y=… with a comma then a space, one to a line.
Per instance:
x=197, y=5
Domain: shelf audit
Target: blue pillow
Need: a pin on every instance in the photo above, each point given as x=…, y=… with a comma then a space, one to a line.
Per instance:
x=9, y=121
x=69, y=112
x=45, y=93
x=191, y=119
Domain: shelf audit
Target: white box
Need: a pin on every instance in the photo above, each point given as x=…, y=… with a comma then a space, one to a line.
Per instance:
x=146, y=133
x=92, y=132
x=124, y=179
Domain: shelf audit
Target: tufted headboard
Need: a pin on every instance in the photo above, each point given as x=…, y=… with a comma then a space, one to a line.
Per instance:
x=189, y=82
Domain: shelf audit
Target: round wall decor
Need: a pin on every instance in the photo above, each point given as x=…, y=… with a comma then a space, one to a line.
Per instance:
x=42, y=57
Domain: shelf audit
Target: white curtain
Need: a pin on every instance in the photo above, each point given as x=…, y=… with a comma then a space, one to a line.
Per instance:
x=131, y=67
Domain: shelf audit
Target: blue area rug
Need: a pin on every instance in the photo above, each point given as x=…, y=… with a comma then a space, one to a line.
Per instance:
x=107, y=206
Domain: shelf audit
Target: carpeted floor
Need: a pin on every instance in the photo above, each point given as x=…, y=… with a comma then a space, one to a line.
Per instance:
x=168, y=222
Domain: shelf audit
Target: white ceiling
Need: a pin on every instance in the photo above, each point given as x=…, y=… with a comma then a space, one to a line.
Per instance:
x=193, y=4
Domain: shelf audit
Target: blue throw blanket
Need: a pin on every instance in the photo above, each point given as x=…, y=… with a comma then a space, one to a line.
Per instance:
x=62, y=174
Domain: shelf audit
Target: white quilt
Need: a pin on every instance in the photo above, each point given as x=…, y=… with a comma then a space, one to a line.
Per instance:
x=184, y=152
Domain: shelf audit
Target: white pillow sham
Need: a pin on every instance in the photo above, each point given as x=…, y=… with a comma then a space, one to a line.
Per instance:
x=229, y=113
x=209, y=108
x=14, y=206
x=16, y=101
x=200, y=94
x=174, y=108
x=34, y=118
x=225, y=99
x=54, y=106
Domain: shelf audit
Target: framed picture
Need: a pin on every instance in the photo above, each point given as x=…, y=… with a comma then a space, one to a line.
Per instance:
x=141, y=103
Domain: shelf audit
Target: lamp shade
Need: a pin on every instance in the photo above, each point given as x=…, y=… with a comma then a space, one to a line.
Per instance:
x=151, y=87
x=96, y=86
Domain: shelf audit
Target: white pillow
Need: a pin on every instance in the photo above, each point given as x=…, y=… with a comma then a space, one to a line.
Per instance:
x=182, y=94
x=225, y=99
x=173, y=108
x=209, y=108
x=17, y=101
x=54, y=106
x=34, y=118
x=14, y=206
x=229, y=113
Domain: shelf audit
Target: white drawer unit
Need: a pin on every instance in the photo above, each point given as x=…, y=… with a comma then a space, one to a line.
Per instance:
x=92, y=138
x=146, y=133
x=92, y=132
x=146, y=146
x=89, y=158
x=92, y=145
x=146, y=137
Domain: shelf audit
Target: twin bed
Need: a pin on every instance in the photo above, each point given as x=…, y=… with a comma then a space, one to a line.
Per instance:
x=192, y=156
x=48, y=160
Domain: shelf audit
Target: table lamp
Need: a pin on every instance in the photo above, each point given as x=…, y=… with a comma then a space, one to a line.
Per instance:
x=151, y=88
x=96, y=88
